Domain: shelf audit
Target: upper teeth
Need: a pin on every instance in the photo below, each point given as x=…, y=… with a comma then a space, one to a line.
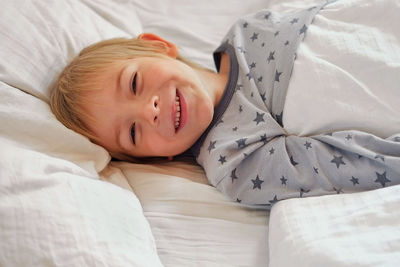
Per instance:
x=178, y=112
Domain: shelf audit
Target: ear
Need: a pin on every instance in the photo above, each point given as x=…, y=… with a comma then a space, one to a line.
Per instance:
x=171, y=49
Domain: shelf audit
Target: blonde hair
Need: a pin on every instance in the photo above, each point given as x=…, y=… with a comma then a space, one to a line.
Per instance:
x=70, y=94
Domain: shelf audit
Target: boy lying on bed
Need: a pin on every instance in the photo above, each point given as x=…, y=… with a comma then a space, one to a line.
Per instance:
x=139, y=98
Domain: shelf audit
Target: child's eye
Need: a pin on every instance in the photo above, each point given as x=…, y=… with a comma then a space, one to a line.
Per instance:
x=132, y=130
x=134, y=84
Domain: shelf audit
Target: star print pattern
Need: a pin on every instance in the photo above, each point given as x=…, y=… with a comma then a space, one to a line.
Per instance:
x=257, y=183
x=248, y=154
x=241, y=142
x=259, y=118
x=307, y=145
x=338, y=161
x=381, y=178
x=233, y=175
x=211, y=146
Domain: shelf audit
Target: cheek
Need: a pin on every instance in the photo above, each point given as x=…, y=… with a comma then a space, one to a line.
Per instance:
x=205, y=111
x=155, y=145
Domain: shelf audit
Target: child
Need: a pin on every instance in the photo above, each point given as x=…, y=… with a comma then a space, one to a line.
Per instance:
x=139, y=98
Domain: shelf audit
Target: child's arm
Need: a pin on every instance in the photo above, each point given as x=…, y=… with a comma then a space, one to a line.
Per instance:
x=291, y=166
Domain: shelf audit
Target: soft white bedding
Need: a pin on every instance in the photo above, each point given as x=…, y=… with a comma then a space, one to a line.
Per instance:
x=194, y=224
x=352, y=56
x=55, y=210
x=359, y=229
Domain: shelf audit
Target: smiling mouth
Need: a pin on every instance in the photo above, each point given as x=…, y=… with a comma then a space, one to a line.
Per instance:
x=178, y=112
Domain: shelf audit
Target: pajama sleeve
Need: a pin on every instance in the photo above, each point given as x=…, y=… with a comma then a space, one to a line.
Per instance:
x=283, y=167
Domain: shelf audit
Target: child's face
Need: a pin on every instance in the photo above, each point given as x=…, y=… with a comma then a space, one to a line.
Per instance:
x=137, y=109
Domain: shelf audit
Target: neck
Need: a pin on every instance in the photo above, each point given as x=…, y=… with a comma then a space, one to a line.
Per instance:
x=215, y=83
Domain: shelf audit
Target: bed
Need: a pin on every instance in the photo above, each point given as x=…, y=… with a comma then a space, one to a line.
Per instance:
x=64, y=202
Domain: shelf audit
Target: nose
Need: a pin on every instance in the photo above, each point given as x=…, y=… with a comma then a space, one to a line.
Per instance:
x=151, y=110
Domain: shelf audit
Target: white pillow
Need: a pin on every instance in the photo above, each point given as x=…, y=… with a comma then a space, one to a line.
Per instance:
x=38, y=38
x=51, y=212
x=52, y=215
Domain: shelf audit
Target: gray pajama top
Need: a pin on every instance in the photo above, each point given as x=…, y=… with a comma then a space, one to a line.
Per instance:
x=246, y=152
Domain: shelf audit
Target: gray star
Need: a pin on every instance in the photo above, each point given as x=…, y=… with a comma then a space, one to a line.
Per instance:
x=259, y=118
x=241, y=142
x=249, y=76
x=260, y=79
x=263, y=138
x=287, y=42
x=294, y=163
x=315, y=170
x=277, y=75
x=348, y=137
x=295, y=20
x=211, y=146
x=303, y=29
x=338, y=161
x=263, y=97
x=382, y=179
x=240, y=108
x=274, y=200
x=238, y=200
x=380, y=157
x=278, y=118
x=257, y=183
x=233, y=175
x=245, y=25
x=235, y=128
x=222, y=159
x=307, y=145
x=271, y=151
x=271, y=56
x=252, y=65
x=354, y=180
x=254, y=37
x=283, y=180
x=267, y=16
x=303, y=191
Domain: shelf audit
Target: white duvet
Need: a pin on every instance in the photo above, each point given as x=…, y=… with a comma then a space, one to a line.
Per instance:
x=346, y=75
x=55, y=210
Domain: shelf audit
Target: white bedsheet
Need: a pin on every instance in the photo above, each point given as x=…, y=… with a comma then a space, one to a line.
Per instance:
x=193, y=223
x=346, y=75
